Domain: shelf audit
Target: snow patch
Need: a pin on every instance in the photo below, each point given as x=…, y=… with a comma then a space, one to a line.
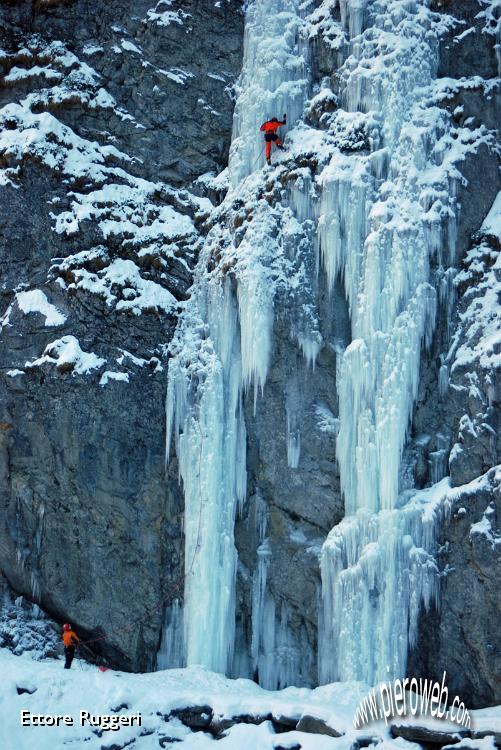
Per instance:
x=484, y=527
x=35, y=301
x=326, y=421
x=122, y=278
x=109, y=375
x=129, y=46
x=163, y=17
x=67, y=356
x=492, y=222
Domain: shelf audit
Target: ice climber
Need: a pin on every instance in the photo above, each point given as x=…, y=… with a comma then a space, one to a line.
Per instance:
x=269, y=128
x=70, y=640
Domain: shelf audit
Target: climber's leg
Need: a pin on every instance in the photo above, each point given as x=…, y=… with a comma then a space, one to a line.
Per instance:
x=268, y=151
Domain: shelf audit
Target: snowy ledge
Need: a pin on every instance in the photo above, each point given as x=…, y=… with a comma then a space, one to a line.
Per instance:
x=67, y=356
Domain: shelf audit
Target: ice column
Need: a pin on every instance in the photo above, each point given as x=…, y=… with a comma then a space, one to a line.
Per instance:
x=204, y=413
x=378, y=236
x=276, y=657
x=273, y=80
x=223, y=345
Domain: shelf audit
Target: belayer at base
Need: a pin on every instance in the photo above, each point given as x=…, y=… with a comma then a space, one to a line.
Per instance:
x=269, y=128
x=70, y=640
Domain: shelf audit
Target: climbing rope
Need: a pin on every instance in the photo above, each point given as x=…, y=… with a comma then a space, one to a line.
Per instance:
x=258, y=157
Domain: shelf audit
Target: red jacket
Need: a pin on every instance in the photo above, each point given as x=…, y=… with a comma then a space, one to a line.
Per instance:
x=271, y=126
x=70, y=638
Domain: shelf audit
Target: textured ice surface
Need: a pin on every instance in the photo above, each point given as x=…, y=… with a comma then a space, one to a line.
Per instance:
x=223, y=348
x=274, y=79
x=378, y=229
x=377, y=214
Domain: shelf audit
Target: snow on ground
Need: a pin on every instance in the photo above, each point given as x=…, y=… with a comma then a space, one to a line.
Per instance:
x=155, y=695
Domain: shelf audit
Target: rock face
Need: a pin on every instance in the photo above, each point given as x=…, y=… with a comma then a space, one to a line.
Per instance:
x=108, y=121
x=470, y=609
x=128, y=97
x=470, y=540
x=170, y=66
x=298, y=501
x=456, y=426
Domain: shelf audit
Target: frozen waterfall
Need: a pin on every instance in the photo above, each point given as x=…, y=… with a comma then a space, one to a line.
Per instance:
x=373, y=217
x=273, y=81
x=380, y=224
x=204, y=415
x=222, y=347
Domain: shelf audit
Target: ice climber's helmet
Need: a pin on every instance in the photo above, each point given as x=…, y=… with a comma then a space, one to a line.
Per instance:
x=66, y=626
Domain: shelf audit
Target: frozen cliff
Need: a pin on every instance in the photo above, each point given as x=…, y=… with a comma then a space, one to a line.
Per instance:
x=326, y=332
x=347, y=249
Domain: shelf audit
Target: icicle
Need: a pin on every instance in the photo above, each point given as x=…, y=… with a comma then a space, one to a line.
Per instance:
x=443, y=380
x=352, y=15
x=256, y=319
x=259, y=583
x=280, y=658
x=204, y=413
x=172, y=649
x=293, y=409
x=293, y=445
x=439, y=459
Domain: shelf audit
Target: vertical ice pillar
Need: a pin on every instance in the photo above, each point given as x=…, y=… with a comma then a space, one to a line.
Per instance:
x=273, y=80
x=171, y=651
x=223, y=346
x=375, y=233
x=204, y=414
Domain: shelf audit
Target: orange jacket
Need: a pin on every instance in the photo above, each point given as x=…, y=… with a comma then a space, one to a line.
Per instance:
x=271, y=126
x=70, y=638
